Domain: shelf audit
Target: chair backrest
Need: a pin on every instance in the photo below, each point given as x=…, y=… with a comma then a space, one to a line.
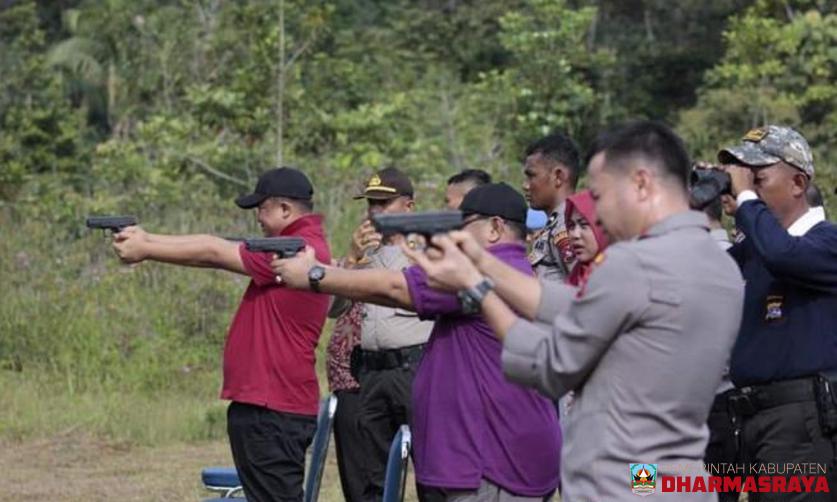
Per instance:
x=319, y=448
x=396, y=471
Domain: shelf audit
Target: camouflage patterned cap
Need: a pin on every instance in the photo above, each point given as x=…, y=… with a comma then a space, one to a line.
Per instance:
x=768, y=145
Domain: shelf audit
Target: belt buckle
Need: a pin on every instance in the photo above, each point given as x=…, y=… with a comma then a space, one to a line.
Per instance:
x=742, y=404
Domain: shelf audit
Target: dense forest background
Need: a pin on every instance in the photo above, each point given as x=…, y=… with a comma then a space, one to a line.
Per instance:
x=167, y=109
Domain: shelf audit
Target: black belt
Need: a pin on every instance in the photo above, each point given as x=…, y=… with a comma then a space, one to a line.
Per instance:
x=376, y=360
x=752, y=399
x=721, y=402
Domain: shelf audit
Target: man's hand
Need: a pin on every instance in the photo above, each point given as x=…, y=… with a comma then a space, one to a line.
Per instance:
x=293, y=272
x=469, y=245
x=742, y=178
x=129, y=244
x=446, y=265
x=364, y=237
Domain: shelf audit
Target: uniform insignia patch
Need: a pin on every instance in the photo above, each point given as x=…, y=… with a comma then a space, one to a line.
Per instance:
x=562, y=244
x=773, y=308
x=755, y=135
x=374, y=181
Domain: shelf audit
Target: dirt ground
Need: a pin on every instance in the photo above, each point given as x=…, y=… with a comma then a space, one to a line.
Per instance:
x=76, y=468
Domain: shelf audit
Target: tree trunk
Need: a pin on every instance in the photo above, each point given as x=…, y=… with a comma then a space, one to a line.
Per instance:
x=280, y=85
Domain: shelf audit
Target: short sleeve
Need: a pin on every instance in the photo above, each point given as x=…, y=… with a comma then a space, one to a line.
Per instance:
x=257, y=265
x=428, y=302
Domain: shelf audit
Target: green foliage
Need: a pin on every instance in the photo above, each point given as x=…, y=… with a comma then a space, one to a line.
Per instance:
x=39, y=131
x=776, y=69
x=168, y=110
x=553, y=72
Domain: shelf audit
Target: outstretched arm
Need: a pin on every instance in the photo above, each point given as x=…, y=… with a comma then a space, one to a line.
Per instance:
x=134, y=245
x=379, y=286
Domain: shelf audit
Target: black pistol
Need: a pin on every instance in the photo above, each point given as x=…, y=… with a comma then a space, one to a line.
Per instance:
x=284, y=247
x=113, y=223
x=426, y=224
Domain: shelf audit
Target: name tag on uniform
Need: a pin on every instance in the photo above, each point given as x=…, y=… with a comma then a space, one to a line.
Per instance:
x=539, y=250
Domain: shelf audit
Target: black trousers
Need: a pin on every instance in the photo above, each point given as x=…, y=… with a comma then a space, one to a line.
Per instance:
x=268, y=448
x=385, y=401
x=785, y=434
x=348, y=444
x=722, y=447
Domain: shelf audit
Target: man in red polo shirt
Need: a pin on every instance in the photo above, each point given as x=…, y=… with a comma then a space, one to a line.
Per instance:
x=269, y=355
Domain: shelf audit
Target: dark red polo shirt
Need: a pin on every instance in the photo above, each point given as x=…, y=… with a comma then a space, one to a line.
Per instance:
x=269, y=355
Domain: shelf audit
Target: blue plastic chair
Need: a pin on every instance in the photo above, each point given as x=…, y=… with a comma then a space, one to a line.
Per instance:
x=225, y=481
x=319, y=448
x=395, y=480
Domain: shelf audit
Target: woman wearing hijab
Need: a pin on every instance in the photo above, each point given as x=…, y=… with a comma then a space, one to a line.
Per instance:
x=588, y=240
x=587, y=237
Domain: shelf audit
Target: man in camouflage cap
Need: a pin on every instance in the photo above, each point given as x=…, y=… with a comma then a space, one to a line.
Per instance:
x=784, y=411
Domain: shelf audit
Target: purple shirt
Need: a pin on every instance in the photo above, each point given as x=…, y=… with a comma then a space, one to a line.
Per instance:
x=469, y=422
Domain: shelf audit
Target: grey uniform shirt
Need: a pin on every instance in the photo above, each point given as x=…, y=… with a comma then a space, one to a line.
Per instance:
x=551, y=255
x=721, y=238
x=643, y=347
x=385, y=328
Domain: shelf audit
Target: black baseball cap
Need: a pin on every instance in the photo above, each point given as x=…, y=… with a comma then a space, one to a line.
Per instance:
x=280, y=182
x=495, y=199
x=386, y=184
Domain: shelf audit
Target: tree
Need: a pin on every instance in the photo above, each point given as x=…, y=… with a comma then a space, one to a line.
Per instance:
x=779, y=67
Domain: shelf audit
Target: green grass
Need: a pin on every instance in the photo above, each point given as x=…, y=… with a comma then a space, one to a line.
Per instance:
x=34, y=408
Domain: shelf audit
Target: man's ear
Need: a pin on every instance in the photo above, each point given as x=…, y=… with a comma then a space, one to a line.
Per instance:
x=641, y=179
x=799, y=184
x=287, y=209
x=498, y=229
x=411, y=205
x=560, y=175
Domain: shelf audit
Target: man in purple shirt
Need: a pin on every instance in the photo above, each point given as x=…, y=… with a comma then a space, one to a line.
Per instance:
x=476, y=436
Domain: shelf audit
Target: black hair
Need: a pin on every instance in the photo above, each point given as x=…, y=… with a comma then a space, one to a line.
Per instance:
x=303, y=205
x=715, y=210
x=561, y=149
x=476, y=176
x=651, y=140
x=518, y=228
x=814, y=195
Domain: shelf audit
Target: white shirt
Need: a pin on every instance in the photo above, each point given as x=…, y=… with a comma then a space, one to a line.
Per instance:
x=802, y=224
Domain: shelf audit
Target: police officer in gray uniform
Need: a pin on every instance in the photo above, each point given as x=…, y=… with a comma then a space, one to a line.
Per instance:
x=643, y=345
x=551, y=171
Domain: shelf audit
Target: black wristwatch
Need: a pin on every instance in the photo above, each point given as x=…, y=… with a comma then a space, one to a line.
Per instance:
x=471, y=298
x=315, y=275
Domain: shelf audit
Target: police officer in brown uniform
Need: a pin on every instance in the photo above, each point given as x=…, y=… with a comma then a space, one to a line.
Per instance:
x=392, y=340
x=551, y=171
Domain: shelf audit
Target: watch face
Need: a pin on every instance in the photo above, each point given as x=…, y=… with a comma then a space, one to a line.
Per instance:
x=316, y=273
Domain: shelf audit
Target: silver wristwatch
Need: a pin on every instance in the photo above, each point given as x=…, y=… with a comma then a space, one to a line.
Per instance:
x=471, y=298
